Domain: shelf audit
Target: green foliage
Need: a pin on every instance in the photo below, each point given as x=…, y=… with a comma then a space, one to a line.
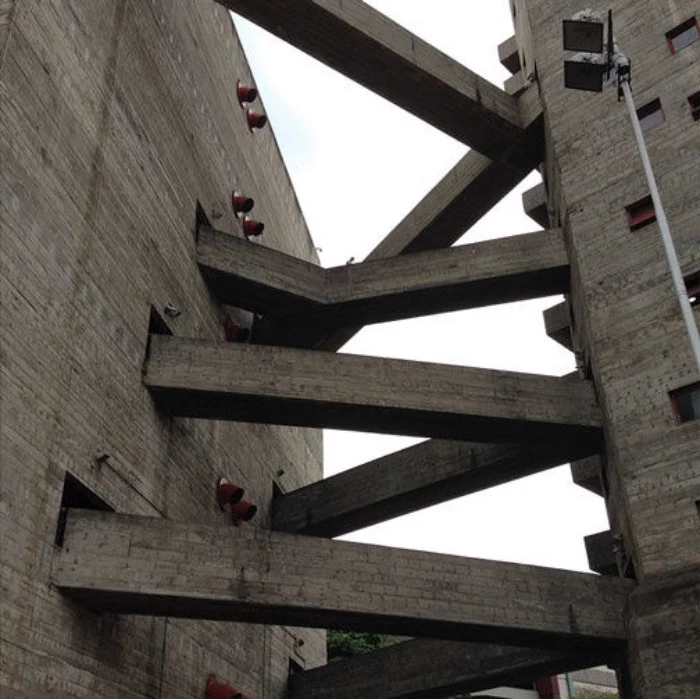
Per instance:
x=346, y=644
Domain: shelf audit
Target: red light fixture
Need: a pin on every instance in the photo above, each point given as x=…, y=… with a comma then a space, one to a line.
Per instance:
x=252, y=228
x=242, y=511
x=255, y=120
x=241, y=204
x=227, y=494
x=218, y=690
x=246, y=93
x=234, y=332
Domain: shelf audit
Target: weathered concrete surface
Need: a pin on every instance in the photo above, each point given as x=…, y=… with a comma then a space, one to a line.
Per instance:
x=431, y=669
x=625, y=315
x=587, y=473
x=141, y=565
x=266, y=281
x=368, y=47
x=600, y=549
x=413, y=478
x=116, y=118
x=225, y=381
x=557, y=323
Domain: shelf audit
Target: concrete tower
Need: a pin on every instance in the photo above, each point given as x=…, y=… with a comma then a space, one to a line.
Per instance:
x=127, y=391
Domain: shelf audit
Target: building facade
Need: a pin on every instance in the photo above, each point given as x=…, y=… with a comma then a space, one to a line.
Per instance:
x=127, y=392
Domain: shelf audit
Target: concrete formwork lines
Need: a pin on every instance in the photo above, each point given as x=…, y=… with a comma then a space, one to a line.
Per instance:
x=224, y=381
x=368, y=47
x=408, y=480
x=152, y=566
x=433, y=669
x=266, y=281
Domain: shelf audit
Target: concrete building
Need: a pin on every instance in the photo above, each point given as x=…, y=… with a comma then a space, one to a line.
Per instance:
x=127, y=394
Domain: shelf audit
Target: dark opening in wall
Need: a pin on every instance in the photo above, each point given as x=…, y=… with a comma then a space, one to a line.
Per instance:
x=201, y=218
x=686, y=402
x=692, y=284
x=78, y=495
x=641, y=213
x=694, y=102
x=294, y=668
x=683, y=35
x=651, y=115
x=156, y=326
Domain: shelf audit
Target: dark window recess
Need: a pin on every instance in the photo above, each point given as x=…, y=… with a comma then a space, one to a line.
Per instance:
x=692, y=284
x=76, y=494
x=694, y=102
x=156, y=326
x=294, y=668
x=683, y=35
x=651, y=115
x=686, y=403
x=641, y=213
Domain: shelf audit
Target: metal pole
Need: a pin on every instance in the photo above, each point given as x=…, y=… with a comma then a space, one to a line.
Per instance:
x=676, y=274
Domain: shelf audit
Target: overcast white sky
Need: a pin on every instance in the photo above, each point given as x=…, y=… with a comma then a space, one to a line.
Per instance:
x=359, y=164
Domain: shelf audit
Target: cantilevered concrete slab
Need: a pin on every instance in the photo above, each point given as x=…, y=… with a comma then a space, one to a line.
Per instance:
x=258, y=278
x=497, y=271
x=431, y=669
x=408, y=480
x=276, y=385
x=368, y=47
x=588, y=473
x=557, y=324
x=138, y=565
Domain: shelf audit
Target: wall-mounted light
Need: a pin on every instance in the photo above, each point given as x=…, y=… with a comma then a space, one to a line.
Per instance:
x=227, y=494
x=242, y=511
x=246, y=94
x=241, y=204
x=218, y=690
x=255, y=120
x=252, y=228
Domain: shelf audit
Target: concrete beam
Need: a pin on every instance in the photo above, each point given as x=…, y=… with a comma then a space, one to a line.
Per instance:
x=141, y=565
x=258, y=278
x=467, y=193
x=433, y=669
x=408, y=480
x=509, y=56
x=470, y=276
x=535, y=205
x=587, y=474
x=366, y=46
x=497, y=271
x=275, y=385
x=557, y=325
x=601, y=552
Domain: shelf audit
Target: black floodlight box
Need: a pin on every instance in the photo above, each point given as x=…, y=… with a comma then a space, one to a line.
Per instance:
x=583, y=35
x=580, y=75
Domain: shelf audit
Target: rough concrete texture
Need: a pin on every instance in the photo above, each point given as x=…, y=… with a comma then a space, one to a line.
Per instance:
x=116, y=117
x=627, y=321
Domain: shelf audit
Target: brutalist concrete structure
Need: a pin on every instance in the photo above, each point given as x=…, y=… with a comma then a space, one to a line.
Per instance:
x=126, y=275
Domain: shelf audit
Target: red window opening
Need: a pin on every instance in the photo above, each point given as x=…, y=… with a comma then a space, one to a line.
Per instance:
x=683, y=35
x=641, y=213
x=651, y=115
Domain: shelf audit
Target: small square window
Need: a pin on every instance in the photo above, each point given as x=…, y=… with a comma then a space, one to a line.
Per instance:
x=686, y=403
x=641, y=213
x=683, y=35
x=651, y=115
x=694, y=102
x=692, y=284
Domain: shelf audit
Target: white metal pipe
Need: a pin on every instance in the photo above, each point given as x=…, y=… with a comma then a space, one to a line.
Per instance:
x=676, y=273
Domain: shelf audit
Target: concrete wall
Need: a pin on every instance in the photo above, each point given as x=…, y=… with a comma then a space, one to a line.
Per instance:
x=628, y=323
x=116, y=117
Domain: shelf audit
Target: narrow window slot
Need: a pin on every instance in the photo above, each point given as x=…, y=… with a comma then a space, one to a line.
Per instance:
x=686, y=403
x=651, y=115
x=694, y=102
x=692, y=284
x=641, y=213
x=683, y=35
